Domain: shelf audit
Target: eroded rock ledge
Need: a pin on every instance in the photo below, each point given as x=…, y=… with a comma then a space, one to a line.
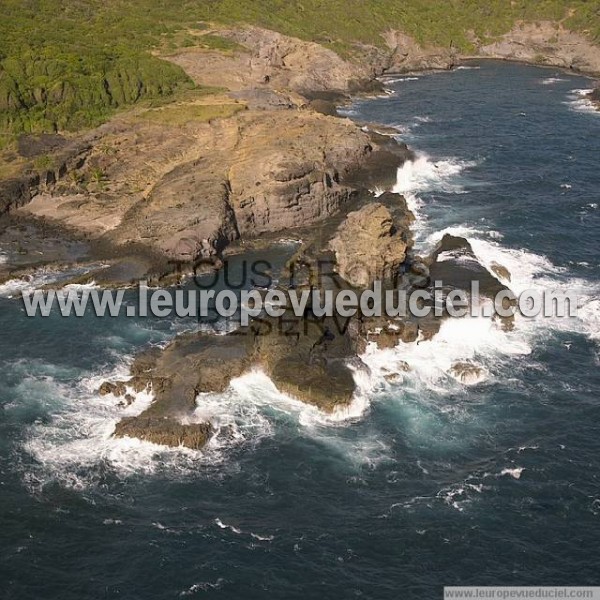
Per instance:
x=312, y=359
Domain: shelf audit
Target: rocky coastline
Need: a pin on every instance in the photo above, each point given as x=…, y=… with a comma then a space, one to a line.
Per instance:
x=153, y=191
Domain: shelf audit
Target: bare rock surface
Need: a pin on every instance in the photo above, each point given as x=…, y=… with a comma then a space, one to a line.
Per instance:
x=189, y=195
x=369, y=246
x=545, y=43
x=468, y=373
x=271, y=59
x=408, y=55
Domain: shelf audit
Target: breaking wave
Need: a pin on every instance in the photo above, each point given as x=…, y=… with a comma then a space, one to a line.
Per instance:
x=551, y=80
x=45, y=276
x=579, y=101
x=425, y=175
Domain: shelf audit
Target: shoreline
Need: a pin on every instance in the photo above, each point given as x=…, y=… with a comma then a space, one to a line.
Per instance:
x=194, y=363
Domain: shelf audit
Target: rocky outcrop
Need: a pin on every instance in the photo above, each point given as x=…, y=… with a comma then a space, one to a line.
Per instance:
x=187, y=214
x=273, y=60
x=309, y=357
x=468, y=373
x=190, y=365
x=268, y=62
x=454, y=263
x=545, y=43
x=408, y=55
x=305, y=358
x=30, y=145
x=189, y=195
x=369, y=246
x=595, y=97
x=17, y=191
x=286, y=172
x=166, y=432
x=500, y=271
x=56, y=157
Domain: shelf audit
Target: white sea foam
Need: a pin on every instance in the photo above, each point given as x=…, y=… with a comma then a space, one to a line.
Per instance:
x=425, y=174
x=15, y=287
x=78, y=439
x=347, y=111
x=482, y=340
x=253, y=406
x=203, y=586
x=222, y=525
x=551, y=80
x=530, y=271
x=45, y=276
x=479, y=340
x=238, y=531
x=76, y=447
x=514, y=473
x=78, y=436
x=393, y=80
x=580, y=102
x=256, y=390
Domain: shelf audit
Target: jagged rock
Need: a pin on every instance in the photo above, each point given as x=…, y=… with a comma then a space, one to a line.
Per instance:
x=264, y=99
x=369, y=246
x=500, y=271
x=270, y=58
x=408, y=55
x=139, y=384
x=286, y=172
x=454, y=263
x=188, y=214
x=165, y=431
x=17, y=191
x=189, y=195
x=395, y=375
x=546, y=43
x=418, y=274
x=468, y=373
x=325, y=107
x=117, y=389
x=308, y=359
x=388, y=334
x=32, y=145
x=128, y=400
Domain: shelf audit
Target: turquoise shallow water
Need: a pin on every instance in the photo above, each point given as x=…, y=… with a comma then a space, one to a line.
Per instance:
x=435, y=483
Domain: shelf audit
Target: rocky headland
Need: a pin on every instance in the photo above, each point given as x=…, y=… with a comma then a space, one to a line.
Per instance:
x=311, y=358
x=156, y=189
x=544, y=43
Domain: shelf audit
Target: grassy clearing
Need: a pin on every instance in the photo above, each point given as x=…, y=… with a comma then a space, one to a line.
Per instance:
x=180, y=114
x=194, y=38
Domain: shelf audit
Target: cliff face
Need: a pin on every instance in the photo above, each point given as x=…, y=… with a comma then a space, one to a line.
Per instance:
x=286, y=170
x=545, y=43
x=272, y=61
x=269, y=58
x=191, y=194
x=369, y=246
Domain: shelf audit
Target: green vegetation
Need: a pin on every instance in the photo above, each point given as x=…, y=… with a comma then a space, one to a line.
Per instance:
x=180, y=114
x=69, y=64
x=194, y=38
x=43, y=163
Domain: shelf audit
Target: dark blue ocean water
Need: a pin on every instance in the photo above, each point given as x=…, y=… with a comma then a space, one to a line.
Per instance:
x=435, y=484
